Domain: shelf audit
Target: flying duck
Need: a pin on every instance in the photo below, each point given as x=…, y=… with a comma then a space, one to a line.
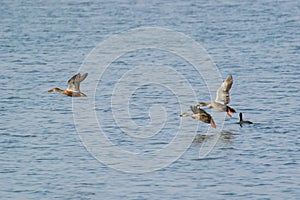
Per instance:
x=222, y=99
x=73, y=89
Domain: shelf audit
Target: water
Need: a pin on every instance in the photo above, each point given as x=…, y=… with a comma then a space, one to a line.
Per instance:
x=43, y=43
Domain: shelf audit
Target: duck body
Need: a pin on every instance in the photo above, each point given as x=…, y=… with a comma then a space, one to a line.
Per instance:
x=218, y=106
x=68, y=92
x=73, y=89
x=222, y=99
x=201, y=115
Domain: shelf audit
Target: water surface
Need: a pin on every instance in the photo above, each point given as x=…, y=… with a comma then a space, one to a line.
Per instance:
x=43, y=43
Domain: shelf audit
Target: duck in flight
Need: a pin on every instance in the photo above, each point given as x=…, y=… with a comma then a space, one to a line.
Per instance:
x=241, y=122
x=73, y=89
x=222, y=99
x=201, y=115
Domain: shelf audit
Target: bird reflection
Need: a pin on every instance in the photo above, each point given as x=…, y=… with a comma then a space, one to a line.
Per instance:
x=224, y=136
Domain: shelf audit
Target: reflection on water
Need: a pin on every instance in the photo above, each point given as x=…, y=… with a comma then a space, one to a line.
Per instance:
x=224, y=137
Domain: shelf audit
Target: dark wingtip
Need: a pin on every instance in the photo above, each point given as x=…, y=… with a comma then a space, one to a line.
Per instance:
x=231, y=110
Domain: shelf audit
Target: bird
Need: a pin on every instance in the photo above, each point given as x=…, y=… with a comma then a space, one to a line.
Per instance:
x=73, y=89
x=222, y=99
x=242, y=121
x=201, y=115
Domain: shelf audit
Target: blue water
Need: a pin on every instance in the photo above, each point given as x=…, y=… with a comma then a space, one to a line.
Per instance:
x=43, y=43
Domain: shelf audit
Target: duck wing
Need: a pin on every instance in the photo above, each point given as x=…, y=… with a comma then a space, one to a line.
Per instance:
x=223, y=96
x=81, y=78
x=74, y=82
x=197, y=110
x=203, y=116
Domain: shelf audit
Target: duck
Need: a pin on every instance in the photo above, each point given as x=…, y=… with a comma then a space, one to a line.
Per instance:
x=222, y=99
x=201, y=115
x=241, y=122
x=73, y=89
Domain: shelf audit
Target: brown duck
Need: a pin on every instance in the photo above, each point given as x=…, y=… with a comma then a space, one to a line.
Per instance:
x=201, y=115
x=73, y=89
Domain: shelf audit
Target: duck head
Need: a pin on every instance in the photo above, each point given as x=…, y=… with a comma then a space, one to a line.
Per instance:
x=55, y=90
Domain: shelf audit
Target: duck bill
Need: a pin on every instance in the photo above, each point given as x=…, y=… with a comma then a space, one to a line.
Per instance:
x=212, y=124
x=52, y=90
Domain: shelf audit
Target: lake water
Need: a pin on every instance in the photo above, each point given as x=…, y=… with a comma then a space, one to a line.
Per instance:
x=139, y=152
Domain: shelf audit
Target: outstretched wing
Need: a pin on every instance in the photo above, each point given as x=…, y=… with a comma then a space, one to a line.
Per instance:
x=223, y=96
x=197, y=110
x=74, y=82
x=81, y=78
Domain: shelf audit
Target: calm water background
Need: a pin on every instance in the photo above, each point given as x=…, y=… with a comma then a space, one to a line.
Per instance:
x=43, y=43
